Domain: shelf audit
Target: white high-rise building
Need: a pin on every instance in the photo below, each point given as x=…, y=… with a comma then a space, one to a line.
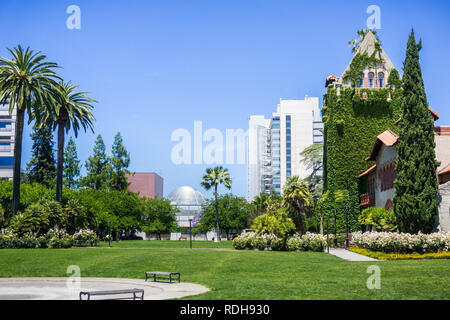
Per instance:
x=294, y=126
x=7, y=134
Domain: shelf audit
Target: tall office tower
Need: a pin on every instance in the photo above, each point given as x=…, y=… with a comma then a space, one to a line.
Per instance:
x=7, y=134
x=294, y=126
x=259, y=175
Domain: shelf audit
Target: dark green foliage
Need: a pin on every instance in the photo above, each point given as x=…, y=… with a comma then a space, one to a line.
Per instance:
x=380, y=218
x=42, y=167
x=234, y=213
x=352, y=121
x=120, y=160
x=98, y=167
x=71, y=165
x=416, y=186
x=159, y=217
x=394, y=81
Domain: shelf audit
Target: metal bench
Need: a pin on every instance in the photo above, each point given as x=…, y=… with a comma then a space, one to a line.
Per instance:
x=160, y=273
x=114, y=292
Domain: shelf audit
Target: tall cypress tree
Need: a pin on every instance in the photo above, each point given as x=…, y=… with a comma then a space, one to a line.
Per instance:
x=120, y=161
x=98, y=167
x=42, y=167
x=71, y=165
x=416, y=186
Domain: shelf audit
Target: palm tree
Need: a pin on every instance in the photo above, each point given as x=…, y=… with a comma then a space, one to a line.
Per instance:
x=212, y=179
x=25, y=81
x=70, y=110
x=297, y=197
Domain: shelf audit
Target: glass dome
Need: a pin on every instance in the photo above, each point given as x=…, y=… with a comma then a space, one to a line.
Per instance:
x=188, y=200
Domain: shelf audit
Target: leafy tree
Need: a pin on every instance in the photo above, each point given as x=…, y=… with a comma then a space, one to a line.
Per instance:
x=298, y=201
x=234, y=215
x=158, y=217
x=416, y=185
x=275, y=222
x=71, y=165
x=42, y=167
x=98, y=167
x=120, y=161
x=312, y=158
x=394, y=81
x=69, y=110
x=212, y=179
x=263, y=203
x=26, y=81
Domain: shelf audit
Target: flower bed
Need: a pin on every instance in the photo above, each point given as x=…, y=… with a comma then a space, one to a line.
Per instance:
x=307, y=242
x=401, y=256
x=402, y=243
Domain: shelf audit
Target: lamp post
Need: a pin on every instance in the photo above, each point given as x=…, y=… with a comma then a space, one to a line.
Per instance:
x=335, y=230
x=346, y=227
x=328, y=241
x=190, y=232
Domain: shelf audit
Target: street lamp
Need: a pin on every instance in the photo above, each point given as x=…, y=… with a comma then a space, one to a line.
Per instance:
x=335, y=230
x=346, y=227
x=190, y=232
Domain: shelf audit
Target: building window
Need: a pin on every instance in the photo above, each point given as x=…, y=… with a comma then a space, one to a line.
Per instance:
x=6, y=162
x=288, y=147
x=387, y=176
x=361, y=81
x=371, y=77
x=381, y=80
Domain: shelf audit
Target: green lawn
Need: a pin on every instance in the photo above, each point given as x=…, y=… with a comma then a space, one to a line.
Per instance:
x=232, y=274
x=166, y=244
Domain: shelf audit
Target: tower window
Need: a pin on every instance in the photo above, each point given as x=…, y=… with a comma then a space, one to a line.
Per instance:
x=371, y=77
x=361, y=81
x=381, y=80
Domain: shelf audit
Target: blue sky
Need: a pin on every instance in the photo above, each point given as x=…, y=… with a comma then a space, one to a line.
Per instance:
x=156, y=66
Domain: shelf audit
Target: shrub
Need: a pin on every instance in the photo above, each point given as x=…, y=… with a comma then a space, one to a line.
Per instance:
x=85, y=238
x=59, y=239
x=380, y=218
x=28, y=241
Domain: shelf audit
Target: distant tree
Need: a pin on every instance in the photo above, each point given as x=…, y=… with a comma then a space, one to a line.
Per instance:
x=120, y=160
x=263, y=203
x=71, y=165
x=416, y=185
x=42, y=166
x=312, y=158
x=212, y=179
x=158, y=217
x=234, y=214
x=98, y=167
x=298, y=201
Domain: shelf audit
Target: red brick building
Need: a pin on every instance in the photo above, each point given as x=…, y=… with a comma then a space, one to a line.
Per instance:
x=147, y=184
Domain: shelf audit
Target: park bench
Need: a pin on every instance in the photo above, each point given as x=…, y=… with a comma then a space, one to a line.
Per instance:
x=134, y=293
x=164, y=275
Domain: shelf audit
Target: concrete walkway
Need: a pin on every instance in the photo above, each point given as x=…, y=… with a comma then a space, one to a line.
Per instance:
x=349, y=256
x=68, y=289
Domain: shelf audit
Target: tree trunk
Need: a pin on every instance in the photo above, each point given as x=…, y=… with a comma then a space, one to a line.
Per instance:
x=17, y=159
x=217, y=216
x=60, y=160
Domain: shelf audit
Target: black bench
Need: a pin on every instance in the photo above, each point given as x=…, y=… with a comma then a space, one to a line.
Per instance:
x=164, y=275
x=134, y=293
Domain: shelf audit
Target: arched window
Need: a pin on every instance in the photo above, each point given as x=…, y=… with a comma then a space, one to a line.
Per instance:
x=371, y=77
x=381, y=80
x=361, y=81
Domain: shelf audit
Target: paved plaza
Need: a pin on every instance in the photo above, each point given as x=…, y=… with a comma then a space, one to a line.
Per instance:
x=67, y=289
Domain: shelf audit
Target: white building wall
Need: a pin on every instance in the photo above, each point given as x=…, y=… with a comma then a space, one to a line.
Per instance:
x=385, y=155
x=256, y=154
x=303, y=115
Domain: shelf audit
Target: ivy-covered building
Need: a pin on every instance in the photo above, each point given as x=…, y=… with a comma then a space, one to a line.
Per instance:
x=358, y=106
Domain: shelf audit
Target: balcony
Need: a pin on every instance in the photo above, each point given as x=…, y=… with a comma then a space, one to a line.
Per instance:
x=366, y=200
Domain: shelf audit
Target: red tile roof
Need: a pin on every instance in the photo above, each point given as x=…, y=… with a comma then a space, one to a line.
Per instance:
x=434, y=114
x=368, y=171
x=444, y=170
x=388, y=138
